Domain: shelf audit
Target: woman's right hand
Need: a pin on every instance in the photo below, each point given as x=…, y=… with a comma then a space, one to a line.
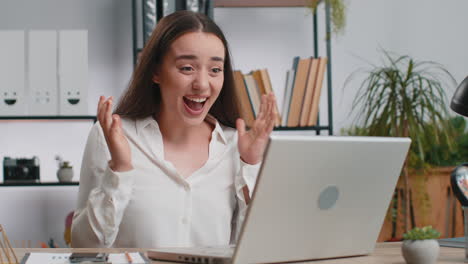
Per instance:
x=117, y=143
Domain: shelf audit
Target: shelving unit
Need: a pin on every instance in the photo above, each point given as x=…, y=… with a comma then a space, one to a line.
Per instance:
x=28, y=118
x=148, y=17
x=299, y=3
x=29, y=184
x=151, y=13
x=94, y=118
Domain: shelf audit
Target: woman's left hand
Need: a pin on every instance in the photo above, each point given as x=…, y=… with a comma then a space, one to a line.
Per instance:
x=252, y=143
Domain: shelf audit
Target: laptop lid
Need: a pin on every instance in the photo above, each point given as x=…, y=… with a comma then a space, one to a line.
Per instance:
x=320, y=197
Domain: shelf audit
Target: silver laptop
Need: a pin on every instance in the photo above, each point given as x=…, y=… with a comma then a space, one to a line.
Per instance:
x=315, y=198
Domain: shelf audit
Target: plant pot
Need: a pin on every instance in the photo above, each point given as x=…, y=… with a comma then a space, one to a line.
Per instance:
x=420, y=251
x=65, y=174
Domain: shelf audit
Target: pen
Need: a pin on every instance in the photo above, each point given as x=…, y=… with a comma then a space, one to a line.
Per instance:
x=129, y=258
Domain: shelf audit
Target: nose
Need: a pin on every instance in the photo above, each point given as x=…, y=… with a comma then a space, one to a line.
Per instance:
x=202, y=81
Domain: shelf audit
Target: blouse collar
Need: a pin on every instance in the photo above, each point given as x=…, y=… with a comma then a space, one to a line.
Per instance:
x=218, y=130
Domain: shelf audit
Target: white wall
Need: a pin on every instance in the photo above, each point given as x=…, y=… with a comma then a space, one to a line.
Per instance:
x=271, y=37
x=38, y=213
x=260, y=37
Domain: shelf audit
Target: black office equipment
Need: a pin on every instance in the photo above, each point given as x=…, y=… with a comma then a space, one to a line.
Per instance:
x=20, y=170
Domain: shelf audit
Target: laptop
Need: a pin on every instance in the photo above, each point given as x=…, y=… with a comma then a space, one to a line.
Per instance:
x=316, y=197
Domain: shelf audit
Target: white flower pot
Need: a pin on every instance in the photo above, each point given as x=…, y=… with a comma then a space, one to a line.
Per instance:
x=420, y=251
x=65, y=174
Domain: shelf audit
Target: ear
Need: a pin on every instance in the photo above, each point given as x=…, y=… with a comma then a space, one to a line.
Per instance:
x=156, y=78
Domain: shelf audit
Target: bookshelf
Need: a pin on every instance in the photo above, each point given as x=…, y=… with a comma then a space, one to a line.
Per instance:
x=32, y=184
x=94, y=118
x=150, y=16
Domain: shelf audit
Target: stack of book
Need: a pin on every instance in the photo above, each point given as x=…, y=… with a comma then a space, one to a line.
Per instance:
x=249, y=89
x=301, y=98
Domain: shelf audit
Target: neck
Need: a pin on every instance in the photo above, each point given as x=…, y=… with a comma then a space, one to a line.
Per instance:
x=177, y=132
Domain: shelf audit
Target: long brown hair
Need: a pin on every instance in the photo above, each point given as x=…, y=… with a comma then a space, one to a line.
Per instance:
x=142, y=98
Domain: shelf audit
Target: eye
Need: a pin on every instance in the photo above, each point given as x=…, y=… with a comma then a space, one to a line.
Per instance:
x=217, y=70
x=186, y=68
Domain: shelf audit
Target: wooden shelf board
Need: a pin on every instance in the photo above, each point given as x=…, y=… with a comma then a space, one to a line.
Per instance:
x=28, y=184
x=316, y=128
x=261, y=3
x=48, y=118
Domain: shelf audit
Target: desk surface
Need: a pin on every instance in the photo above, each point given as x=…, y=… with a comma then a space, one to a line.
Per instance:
x=385, y=253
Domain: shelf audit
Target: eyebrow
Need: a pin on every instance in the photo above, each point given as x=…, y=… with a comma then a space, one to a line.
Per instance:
x=193, y=57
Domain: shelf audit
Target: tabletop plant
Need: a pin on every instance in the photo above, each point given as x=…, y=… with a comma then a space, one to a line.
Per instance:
x=420, y=245
x=423, y=233
x=65, y=170
x=404, y=97
x=62, y=164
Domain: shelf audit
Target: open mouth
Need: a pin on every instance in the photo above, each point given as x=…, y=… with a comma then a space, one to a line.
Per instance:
x=194, y=104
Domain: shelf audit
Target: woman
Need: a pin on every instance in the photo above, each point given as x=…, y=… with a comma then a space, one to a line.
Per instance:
x=168, y=168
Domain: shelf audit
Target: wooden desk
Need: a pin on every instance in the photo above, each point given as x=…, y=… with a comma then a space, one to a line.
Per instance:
x=385, y=253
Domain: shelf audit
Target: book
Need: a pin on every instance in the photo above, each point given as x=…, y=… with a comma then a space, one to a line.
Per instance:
x=309, y=92
x=317, y=91
x=264, y=86
x=257, y=75
x=269, y=89
x=244, y=103
x=457, y=242
x=287, y=97
x=297, y=96
x=253, y=91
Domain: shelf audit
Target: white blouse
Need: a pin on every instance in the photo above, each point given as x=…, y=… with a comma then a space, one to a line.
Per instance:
x=152, y=205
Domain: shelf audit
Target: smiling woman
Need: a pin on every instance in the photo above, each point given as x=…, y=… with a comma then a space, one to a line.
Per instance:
x=190, y=78
x=168, y=168
x=139, y=102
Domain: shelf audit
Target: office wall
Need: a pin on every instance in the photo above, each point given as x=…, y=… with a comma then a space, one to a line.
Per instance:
x=271, y=37
x=38, y=213
x=262, y=37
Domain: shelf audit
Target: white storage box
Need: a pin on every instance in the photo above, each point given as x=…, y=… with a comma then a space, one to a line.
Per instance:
x=12, y=73
x=73, y=72
x=42, y=65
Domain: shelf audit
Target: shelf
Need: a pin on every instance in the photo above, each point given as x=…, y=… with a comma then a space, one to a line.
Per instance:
x=48, y=118
x=261, y=3
x=313, y=128
x=27, y=184
x=151, y=14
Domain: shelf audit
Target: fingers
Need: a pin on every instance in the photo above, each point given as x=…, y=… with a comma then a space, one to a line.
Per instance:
x=269, y=106
x=100, y=105
x=105, y=111
x=270, y=116
x=116, y=122
x=108, y=113
x=261, y=112
x=240, y=125
x=266, y=118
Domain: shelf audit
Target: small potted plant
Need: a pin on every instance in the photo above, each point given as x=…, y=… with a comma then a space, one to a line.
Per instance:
x=65, y=171
x=420, y=245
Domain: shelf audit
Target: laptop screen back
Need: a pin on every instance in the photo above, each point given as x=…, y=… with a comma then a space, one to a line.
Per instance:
x=320, y=197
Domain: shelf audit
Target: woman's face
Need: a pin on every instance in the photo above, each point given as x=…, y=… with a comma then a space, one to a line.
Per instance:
x=191, y=77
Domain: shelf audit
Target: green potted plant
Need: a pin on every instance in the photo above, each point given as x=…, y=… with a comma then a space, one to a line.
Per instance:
x=399, y=99
x=337, y=13
x=420, y=245
x=438, y=154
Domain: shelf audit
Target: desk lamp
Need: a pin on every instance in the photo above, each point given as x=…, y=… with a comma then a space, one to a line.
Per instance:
x=459, y=177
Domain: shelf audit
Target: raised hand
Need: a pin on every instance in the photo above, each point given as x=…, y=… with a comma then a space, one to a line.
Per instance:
x=117, y=143
x=252, y=143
